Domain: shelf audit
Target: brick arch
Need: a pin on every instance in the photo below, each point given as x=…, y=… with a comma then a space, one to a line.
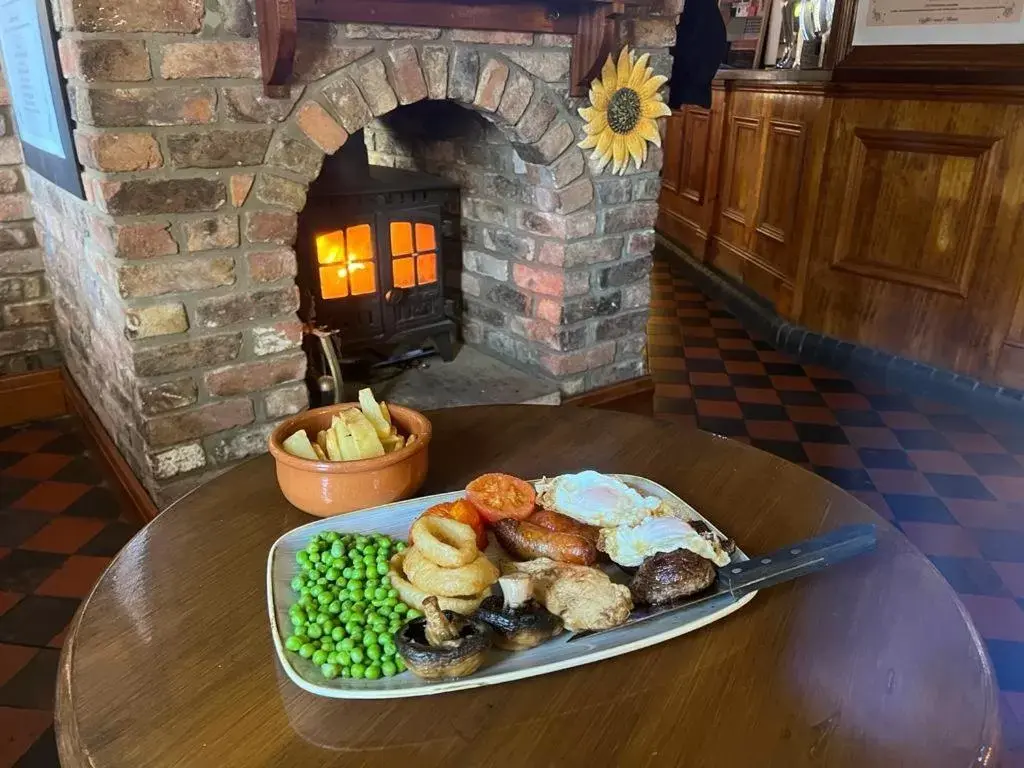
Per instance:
x=526, y=110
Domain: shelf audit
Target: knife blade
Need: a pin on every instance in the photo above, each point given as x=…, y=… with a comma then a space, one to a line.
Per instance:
x=740, y=578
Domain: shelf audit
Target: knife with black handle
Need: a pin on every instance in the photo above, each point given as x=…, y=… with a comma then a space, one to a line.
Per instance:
x=740, y=578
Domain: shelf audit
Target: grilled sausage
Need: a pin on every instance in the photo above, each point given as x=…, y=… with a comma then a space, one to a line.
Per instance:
x=526, y=541
x=554, y=521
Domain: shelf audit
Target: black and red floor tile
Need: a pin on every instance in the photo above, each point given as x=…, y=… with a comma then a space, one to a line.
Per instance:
x=60, y=525
x=952, y=482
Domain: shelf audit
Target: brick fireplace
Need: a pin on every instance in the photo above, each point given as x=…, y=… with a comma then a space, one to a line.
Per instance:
x=175, y=284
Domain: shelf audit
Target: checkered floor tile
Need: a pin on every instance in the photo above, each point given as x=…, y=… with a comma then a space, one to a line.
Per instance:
x=60, y=524
x=954, y=484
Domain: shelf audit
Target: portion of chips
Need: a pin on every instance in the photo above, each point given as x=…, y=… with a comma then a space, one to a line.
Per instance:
x=355, y=433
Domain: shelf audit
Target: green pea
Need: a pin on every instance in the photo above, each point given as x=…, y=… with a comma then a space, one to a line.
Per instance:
x=399, y=663
x=334, y=607
x=293, y=643
x=338, y=634
x=314, y=631
x=389, y=669
x=316, y=591
x=347, y=572
x=343, y=658
x=345, y=673
x=372, y=672
x=370, y=562
x=413, y=614
x=321, y=582
x=357, y=635
x=370, y=551
x=297, y=583
x=341, y=582
x=389, y=651
x=391, y=603
x=347, y=644
x=358, y=572
x=400, y=546
x=380, y=593
x=337, y=549
x=357, y=655
x=326, y=644
x=382, y=568
x=357, y=671
x=330, y=671
x=355, y=593
x=307, y=650
x=332, y=574
x=298, y=619
x=324, y=598
x=302, y=557
x=314, y=556
x=319, y=657
x=373, y=652
x=401, y=608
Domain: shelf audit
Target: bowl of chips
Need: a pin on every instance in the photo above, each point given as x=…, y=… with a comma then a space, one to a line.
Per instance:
x=350, y=456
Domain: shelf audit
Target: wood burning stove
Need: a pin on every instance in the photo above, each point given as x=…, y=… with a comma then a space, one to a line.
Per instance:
x=371, y=256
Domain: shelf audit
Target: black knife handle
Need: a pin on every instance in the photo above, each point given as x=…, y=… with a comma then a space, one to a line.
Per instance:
x=797, y=559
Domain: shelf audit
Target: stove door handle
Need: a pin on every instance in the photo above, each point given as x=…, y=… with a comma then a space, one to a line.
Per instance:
x=394, y=296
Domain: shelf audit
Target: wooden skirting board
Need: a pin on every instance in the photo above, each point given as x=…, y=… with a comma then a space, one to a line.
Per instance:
x=52, y=393
x=31, y=397
x=611, y=393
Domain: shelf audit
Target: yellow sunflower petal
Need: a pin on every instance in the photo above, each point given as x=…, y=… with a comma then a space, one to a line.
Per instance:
x=651, y=86
x=597, y=123
x=598, y=95
x=601, y=161
x=608, y=78
x=647, y=129
x=619, y=153
x=654, y=108
x=635, y=145
x=638, y=75
x=624, y=68
x=589, y=142
x=587, y=113
x=604, y=142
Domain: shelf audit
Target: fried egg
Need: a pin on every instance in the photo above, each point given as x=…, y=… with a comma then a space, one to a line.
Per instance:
x=629, y=545
x=595, y=499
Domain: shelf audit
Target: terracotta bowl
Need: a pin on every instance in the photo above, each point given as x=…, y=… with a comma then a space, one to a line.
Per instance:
x=326, y=488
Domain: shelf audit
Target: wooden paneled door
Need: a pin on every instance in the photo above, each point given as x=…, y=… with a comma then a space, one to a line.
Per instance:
x=690, y=173
x=766, y=173
x=919, y=247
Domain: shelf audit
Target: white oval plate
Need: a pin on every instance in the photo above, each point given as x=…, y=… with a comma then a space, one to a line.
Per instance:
x=501, y=666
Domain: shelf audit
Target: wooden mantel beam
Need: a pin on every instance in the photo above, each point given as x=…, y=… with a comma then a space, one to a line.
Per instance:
x=591, y=23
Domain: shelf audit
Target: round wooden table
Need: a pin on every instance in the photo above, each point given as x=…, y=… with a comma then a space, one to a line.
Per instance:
x=871, y=663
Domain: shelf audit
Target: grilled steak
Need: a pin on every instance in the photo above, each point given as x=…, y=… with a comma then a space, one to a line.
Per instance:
x=669, y=575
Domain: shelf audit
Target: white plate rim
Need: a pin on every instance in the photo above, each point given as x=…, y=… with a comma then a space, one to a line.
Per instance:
x=431, y=688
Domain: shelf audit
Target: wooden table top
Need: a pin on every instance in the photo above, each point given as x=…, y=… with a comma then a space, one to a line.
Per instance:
x=871, y=663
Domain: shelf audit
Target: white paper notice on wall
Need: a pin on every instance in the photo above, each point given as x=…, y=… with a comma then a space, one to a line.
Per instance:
x=21, y=41
x=939, y=22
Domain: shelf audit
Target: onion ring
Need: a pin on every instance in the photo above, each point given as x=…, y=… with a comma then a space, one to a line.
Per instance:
x=413, y=596
x=448, y=582
x=445, y=542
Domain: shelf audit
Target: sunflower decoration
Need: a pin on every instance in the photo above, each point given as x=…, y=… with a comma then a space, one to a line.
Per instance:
x=624, y=103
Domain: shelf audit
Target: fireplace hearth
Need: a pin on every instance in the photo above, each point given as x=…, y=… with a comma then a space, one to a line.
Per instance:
x=371, y=251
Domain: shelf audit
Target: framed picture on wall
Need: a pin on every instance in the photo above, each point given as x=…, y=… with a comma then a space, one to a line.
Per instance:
x=29, y=49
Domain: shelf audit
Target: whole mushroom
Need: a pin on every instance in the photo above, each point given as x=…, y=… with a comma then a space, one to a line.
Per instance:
x=443, y=644
x=519, y=621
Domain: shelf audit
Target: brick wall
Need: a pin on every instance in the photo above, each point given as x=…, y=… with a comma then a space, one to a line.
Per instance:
x=27, y=340
x=195, y=180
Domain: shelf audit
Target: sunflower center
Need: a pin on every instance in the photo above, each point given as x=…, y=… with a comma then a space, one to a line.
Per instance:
x=623, y=110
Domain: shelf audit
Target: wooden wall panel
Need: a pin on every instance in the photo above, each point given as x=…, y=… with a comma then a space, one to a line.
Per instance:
x=690, y=173
x=756, y=236
x=918, y=246
x=693, y=167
